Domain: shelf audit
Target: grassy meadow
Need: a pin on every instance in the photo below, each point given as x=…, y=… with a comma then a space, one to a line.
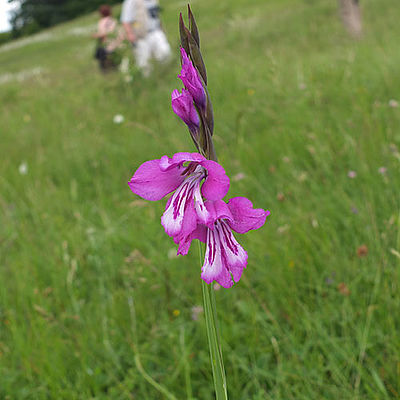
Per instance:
x=94, y=304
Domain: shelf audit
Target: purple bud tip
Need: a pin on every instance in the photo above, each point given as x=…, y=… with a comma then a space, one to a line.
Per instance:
x=183, y=107
x=191, y=79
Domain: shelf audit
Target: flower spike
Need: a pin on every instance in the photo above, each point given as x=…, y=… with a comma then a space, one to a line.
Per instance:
x=196, y=182
x=194, y=77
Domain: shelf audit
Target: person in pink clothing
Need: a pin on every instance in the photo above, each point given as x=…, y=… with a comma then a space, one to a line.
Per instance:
x=109, y=38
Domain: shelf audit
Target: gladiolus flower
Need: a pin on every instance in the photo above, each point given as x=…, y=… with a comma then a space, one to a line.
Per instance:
x=182, y=104
x=184, y=173
x=191, y=80
x=225, y=258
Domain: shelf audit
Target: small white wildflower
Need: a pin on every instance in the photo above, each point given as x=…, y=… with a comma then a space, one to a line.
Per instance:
x=23, y=168
x=118, y=119
x=393, y=103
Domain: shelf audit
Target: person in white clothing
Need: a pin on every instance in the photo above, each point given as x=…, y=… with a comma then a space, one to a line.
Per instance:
x=140, y=19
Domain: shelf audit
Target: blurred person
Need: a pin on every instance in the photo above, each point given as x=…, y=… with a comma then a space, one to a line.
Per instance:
x=140, y=19
x=109, y=39
x=351, y=17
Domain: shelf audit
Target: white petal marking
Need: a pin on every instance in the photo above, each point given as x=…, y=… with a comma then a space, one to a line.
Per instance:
x=172, y=219
x=212, y=262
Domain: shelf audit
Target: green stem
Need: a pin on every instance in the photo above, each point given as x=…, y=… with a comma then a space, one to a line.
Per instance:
x=214, y=341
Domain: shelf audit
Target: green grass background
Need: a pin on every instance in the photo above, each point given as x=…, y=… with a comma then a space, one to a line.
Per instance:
x=93, y=306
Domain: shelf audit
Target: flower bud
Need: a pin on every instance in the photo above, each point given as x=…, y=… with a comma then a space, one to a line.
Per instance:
x=191, y=80
x=182, y=104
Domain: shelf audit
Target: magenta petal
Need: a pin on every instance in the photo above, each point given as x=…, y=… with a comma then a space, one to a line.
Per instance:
x=151, y=183
x=183, y=107
x=203, y=215
x=224, y=279
x=216, y=185
x=178, y=159
x=190, y=220
x=245, y=217
x=234, y=255
x=180, y=211
x=191, y=80
x=199, y=233
x=186, y=207
x=217, y=210
x=214, y=268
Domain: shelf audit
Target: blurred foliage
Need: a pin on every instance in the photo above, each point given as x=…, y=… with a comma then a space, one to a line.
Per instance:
x=5, y=37
x=35, y=15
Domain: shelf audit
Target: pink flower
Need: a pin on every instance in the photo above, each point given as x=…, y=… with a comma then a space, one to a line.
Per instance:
x=182, y=174
x=382, y=170
x=191, y=80
x=196, y=211
x=182, y=104
x=225, y=258
x=352, y=174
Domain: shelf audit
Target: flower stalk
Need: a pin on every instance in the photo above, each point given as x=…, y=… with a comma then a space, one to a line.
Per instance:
x=214, y=338
x=190, y=42
x=196, y=209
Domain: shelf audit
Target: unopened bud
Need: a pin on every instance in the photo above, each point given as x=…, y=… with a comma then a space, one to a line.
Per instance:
x=182, y=104
x=191, y=80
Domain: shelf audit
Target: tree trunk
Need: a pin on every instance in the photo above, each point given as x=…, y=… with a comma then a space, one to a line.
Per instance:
x=351, y=16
